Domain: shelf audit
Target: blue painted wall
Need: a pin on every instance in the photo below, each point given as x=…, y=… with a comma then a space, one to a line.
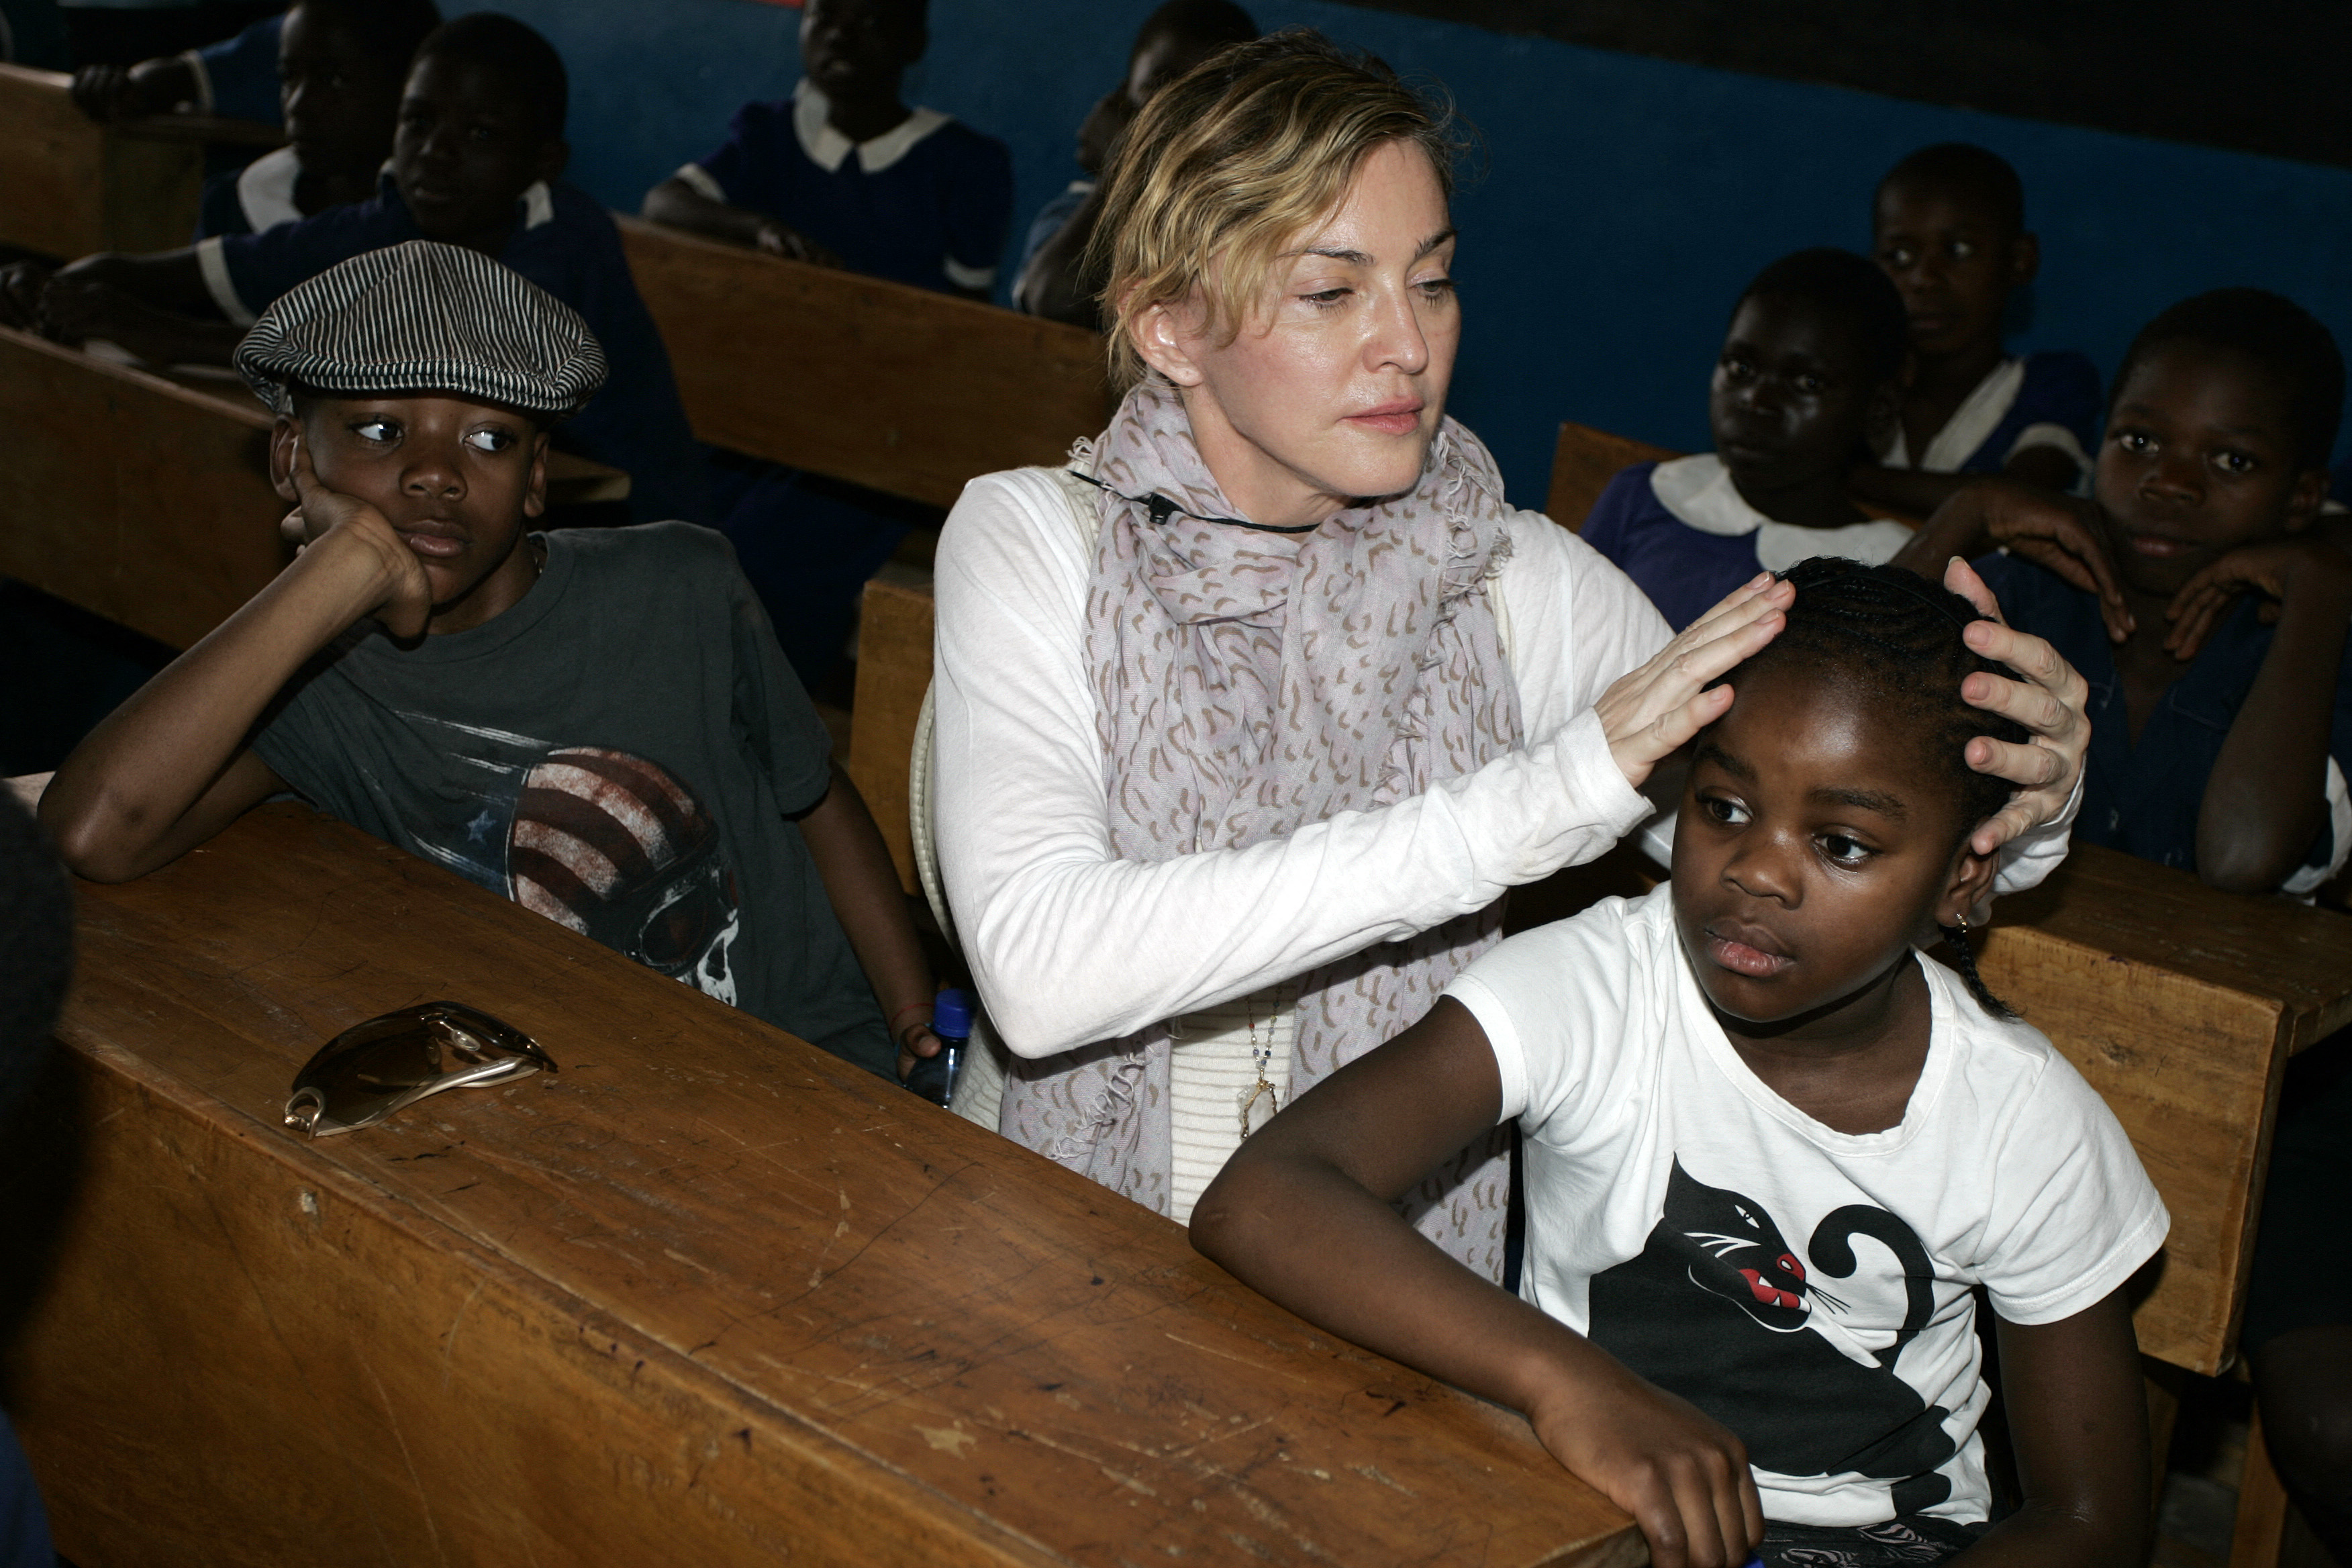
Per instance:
x=1622, y=203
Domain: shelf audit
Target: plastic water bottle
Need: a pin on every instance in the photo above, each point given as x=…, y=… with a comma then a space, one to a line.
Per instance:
x=934, y=1077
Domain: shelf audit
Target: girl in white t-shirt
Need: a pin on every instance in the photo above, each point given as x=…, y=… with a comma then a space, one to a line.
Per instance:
x=1772, y=1155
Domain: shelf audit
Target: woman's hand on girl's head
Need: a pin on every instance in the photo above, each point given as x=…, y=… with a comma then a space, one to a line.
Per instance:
x=1652, y=712
x=2051, y=702
x=1683, y=1476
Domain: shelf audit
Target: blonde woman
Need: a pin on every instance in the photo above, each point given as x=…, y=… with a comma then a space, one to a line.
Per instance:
x=1248, y=719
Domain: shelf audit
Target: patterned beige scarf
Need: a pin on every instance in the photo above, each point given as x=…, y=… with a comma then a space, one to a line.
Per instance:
x=1249, y=682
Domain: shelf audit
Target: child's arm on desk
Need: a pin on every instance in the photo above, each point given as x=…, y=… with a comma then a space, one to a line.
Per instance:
x=155, y=306
x=2052, y=530
x=2266, y=798
x=862, y=885
x=1301, y=1212
x=170, y=768
x=2078, y=1418
x=125, y=92
x=1919, y=493
x=680, y=205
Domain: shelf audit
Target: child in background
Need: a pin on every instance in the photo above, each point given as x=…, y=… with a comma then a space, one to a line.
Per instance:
x=593, y=723
x=1772, y=1152
x=235, y=79
x=1812, y=361
x=340, y=68
x=845, y=173
x=1053, y=279
x=476, y=157
x=1949, y=226
x=2220, y=744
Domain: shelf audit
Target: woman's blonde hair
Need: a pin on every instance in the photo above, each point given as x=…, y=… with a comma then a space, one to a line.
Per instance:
x=1230, y=162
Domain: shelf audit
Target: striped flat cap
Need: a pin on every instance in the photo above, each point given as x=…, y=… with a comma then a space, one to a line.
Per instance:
x=422, y=317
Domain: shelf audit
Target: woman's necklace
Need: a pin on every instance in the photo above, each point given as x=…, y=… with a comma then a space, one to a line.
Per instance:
x=1259, y=1101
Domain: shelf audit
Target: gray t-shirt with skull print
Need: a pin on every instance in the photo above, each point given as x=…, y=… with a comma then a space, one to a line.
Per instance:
x=622, y=751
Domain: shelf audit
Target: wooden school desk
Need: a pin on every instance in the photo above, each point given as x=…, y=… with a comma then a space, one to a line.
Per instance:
x=147, y=500
x=70, y=185
x=900, y=389
x=709, y=1296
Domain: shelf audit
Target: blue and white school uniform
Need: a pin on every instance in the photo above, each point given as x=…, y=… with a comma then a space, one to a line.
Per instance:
x=249, y=200
x=2144, y=796
x=1687, y=536
x=564, y=241
x=236, y=79
x=927, y=203
x=2025, y=401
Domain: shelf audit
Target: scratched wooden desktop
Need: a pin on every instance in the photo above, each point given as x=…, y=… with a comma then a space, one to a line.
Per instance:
x=709, y=1296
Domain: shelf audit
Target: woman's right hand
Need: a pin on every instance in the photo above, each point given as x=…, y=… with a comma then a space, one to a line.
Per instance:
x=1682, y=1475
x=1652, y=712
x=398, y=592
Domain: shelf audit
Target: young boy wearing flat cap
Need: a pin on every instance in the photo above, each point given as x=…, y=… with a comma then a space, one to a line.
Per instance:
x=597, y=724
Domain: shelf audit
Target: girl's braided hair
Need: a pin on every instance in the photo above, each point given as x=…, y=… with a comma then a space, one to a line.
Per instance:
x=1892, y=639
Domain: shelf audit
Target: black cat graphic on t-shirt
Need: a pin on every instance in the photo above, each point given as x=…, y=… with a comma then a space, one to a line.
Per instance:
x=1717, y=1308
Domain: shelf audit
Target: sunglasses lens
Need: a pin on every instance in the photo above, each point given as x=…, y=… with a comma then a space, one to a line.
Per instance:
x=369, y=1071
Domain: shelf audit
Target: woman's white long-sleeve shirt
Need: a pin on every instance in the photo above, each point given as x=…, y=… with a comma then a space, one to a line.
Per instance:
x=1071, y=944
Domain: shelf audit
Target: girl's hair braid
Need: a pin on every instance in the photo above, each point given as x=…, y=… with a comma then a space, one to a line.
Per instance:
x=1893, y=638
x=1964, y=959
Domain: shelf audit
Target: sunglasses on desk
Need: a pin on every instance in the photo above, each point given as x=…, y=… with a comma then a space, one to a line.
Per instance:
x=371, y=1069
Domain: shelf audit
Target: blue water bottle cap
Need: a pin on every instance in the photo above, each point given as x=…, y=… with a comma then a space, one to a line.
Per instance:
x=952, y=1014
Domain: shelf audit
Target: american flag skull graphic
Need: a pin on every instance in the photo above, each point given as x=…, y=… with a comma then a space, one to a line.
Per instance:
x=618, y=849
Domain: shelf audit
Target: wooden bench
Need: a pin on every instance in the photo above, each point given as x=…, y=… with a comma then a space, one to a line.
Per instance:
x=900, y=389
x=1583, y=461
x=70, y=185
x=2180, y=1005
x=147, y=500
x=893, y=671
x=707, y=1296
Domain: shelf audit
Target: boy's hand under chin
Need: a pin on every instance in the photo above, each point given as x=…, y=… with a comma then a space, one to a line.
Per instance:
x=399, y=593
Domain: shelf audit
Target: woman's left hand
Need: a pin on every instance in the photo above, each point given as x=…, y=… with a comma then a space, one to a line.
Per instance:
x=2049, y=702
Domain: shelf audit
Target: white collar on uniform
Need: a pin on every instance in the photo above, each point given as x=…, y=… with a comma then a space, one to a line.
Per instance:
x=1698, y=491
x=826, y=147
x=264, y=189
x=538, y=204
x=1970, y=423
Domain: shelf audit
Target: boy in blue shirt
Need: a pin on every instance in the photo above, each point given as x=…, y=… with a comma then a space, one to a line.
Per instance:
x=341, y=69
x=476, y=158
x=1949, y=227
x=594, y=723
x=2220, y=744
x=845, y=173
